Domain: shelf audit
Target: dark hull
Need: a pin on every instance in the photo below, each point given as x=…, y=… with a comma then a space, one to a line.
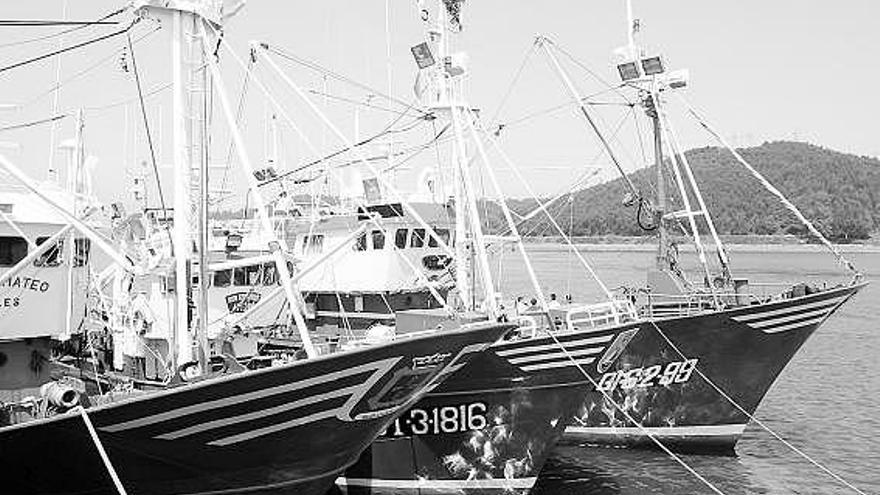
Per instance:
x=290, y=429
x=523, y=392
x=741, y=350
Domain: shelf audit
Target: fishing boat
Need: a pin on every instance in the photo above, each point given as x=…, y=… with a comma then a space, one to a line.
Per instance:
x=492, y=425
x=292, y=425
x=41, y=261
x=364, y=285
x=489, y=427
x=693, y=376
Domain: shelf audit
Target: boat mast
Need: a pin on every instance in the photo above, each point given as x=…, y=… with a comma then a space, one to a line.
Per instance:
x=182, y=241
x=442, y=100
x=660, y=205
x=467, y=247
x=648, y=75
x=189, y=231
x=662, y=261
x=200, y=147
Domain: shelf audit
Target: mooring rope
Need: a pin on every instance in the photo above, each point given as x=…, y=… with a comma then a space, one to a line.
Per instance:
x=756, y=420
x=103, y=453
x=641, y=427
x=771, y=188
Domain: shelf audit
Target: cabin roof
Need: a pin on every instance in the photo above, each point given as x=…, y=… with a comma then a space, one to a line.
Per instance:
x=24, y=207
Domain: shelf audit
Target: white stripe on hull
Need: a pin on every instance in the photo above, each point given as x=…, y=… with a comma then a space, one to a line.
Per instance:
x=501, y=351
x=557, y=364
x=780, y=320
x=428, y=484
x=343, y=412
x=355, y=393
x=658, y=431
x=249, y=396
x=557, y=355
x=789, y=309
x=794, y=325
x=231, y=420
x=241, y=437
x=784, y=319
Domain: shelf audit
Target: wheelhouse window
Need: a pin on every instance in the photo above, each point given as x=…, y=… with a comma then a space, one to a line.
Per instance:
x=222, y=278
x=81, y=253
x=313, y=244
x=52, y=256
x=378, y=239
x=254, y=274
x=12, y=250
x=239, y=277
x=270, y=274
x=444, y=236
x=400, y=238
x=418, y=238
x=360, y=244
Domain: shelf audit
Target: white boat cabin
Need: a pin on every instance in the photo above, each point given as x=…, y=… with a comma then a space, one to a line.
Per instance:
x=42, y=297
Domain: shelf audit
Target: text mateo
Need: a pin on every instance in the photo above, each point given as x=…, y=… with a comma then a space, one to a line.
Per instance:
x=26, y=283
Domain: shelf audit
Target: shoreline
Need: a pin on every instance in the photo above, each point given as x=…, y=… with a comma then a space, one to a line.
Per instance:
x=757, y=244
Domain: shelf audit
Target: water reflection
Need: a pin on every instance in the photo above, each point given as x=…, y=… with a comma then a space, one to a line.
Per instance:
x=580, y=470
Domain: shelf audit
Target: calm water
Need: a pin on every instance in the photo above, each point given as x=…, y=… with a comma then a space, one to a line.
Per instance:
x=826, y=402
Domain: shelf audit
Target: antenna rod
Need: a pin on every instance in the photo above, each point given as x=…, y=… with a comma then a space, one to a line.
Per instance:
x=629, y=28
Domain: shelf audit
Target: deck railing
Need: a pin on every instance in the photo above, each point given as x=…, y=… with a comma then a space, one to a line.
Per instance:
x=578, y=318
x=675, y=305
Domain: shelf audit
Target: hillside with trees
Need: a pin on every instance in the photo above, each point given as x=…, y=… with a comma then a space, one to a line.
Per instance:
x=839, y=192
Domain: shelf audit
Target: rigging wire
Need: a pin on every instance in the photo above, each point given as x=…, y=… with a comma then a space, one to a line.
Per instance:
x=339, y=77
x=420, y=148
x=440, y=175
x=772, y=189
x=387, y=130
x=538, y=113
x=34, y=123
x=589, y=172
x=51, y=22
x=126, y=101
x=60, y=33
x=352, y=101
x=68, y=48
x=528, y=56
x=412, y=153
x=86, y=70
x=239, y=115
x=634, y=194
x=582, y=66
x=137, y=80
x=639, y=134
x=756, y=420
x=56, y=97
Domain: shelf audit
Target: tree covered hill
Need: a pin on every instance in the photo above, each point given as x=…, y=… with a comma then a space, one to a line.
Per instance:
x=839, y=192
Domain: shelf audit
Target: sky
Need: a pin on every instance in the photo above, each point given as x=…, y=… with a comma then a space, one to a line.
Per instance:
x=760, y=71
